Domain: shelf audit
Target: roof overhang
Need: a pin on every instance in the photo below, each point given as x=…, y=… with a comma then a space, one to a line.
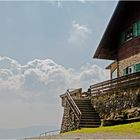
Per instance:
x=107, y=47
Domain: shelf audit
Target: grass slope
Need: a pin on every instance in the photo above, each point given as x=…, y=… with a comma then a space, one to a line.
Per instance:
x=126, y=128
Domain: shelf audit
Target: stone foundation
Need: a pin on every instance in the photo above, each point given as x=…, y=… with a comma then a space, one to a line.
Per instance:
x=128, y=62
x=115, y=105
x=118, y=104
x=69, y=121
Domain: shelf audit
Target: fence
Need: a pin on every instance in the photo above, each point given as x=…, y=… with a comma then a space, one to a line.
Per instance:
x=48, y=133
x=123, y=82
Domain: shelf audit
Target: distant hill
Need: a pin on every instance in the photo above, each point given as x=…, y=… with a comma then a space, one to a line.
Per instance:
x=25, y=132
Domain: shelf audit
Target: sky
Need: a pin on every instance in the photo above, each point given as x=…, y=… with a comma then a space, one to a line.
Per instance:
x=47, y=47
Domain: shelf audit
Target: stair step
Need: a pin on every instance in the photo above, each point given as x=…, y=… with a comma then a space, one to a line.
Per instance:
x=86, y=109
x=90, y=117
x=84, y=104
x=90, y=120
x=81, y=99
x=90, y=123
x=90, y=113
x=89, y=126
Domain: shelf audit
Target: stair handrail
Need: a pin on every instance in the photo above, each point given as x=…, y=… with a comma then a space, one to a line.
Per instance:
x=73, y=105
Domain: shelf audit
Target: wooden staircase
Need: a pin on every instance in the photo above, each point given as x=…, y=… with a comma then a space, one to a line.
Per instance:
x=89, y=117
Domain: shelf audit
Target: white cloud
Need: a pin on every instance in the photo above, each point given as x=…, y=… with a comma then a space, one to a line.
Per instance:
x=79, y=34
x=83, y=1
x=10, y=64
x=58, y=3
x=41, y=82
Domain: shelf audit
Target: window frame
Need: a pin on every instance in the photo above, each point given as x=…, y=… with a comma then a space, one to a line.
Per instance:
x=131, y=32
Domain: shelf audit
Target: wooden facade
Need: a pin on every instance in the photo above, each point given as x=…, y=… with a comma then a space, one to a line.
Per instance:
x=129, y=48
x=121, y=40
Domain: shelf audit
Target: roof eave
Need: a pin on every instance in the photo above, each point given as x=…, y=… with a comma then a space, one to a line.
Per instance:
x=106, y=34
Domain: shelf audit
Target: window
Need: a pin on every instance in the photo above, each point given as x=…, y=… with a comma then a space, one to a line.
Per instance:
x=137, y=67
x=135, y=29
x=131, y=69
x=125, y=71
x=127, y=35
x=128, y=70
x=138, y=26
x=114, y=74
x=131, y=32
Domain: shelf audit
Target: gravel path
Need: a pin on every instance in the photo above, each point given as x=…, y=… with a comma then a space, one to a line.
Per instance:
x=80, y=136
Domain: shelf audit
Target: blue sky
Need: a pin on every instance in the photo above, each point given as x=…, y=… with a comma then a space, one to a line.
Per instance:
x=45, y=48
x=31, y=30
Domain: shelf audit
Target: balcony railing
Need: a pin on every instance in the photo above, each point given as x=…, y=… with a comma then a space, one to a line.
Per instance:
x=124, y=82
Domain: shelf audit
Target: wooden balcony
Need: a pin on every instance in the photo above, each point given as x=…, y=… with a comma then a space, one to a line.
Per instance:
x=117, y=84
